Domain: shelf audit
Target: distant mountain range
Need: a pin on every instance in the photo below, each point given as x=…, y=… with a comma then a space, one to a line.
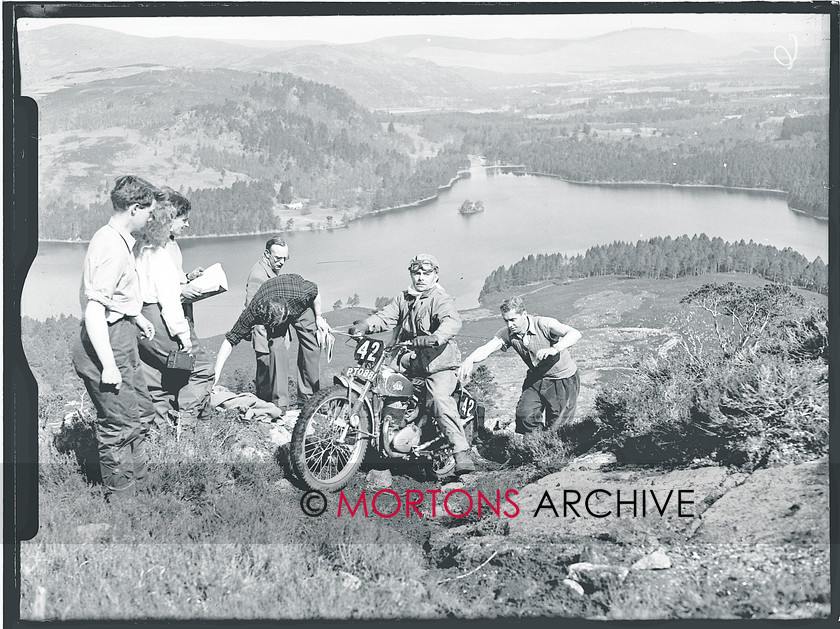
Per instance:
x=392, y=72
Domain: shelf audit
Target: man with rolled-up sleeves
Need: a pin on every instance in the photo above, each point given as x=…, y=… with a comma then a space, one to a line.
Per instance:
x=552, y=384
x=105, y=354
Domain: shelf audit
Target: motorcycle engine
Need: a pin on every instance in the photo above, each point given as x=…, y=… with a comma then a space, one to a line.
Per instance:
x=399, y=416
x=394, y=413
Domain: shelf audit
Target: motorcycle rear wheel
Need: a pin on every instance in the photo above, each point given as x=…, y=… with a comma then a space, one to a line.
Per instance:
x=319, y=458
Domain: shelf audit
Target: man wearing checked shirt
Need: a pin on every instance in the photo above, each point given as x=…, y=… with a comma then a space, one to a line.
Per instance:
x=552, y=383
x=282, y=301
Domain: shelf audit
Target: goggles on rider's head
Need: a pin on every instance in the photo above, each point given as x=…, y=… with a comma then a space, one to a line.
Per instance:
x=424, y=261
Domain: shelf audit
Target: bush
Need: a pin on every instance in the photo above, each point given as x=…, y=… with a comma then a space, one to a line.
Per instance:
x=77, y=438
x=242, y=381
x=645, y=419
x=768, y=410
x=802, y=338
x=543, y=451
x=750, y=413
x=483, y=387
x=760, y=399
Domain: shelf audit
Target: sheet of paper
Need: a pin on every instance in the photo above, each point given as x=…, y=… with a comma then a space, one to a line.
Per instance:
x=212, y=282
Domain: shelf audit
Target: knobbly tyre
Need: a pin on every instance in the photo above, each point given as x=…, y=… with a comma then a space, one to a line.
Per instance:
x=372, y=404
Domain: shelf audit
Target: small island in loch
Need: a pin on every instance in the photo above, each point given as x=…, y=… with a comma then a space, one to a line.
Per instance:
x=471, y=207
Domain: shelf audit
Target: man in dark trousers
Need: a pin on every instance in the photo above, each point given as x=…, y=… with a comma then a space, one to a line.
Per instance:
x=272, y=377
x=552, y=384
x=105, y=354
x=281, y=302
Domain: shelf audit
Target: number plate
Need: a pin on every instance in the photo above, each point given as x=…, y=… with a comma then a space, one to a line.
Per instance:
x=369, y=350
x=362, y=373
x=466, y=405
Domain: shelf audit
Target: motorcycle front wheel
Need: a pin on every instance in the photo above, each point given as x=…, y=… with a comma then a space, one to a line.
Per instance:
x=327, y=446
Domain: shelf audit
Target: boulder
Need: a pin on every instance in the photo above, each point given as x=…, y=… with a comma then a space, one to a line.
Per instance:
x=657, y=560
x=596, y=576
x=574, y=586
x=379, y=479
x=777, y=505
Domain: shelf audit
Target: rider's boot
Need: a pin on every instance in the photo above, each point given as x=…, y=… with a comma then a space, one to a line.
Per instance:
x=463, y=462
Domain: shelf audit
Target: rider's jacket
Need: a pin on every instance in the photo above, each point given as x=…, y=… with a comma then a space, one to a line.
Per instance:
x=432, y=312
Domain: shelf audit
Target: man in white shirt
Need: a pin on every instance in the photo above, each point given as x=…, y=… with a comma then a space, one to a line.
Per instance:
x=552, y=384
x=105, y=354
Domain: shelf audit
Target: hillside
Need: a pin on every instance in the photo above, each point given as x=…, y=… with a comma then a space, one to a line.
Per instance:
x=390, y=72
x=373, y=78
x=228, y=139
x=220, y=533
x=44, y=53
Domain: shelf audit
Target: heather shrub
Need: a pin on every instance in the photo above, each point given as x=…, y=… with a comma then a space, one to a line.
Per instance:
x=483, y=387
x=763, y=411
x=242, y=381
x=802, y=338
x=545, y=450
x=76, y=438
x=646, y=418
x=760, y=399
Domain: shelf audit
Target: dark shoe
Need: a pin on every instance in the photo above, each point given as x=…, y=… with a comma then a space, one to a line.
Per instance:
x=463, y=463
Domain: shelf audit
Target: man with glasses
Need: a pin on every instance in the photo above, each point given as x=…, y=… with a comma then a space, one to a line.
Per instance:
x=272, y=377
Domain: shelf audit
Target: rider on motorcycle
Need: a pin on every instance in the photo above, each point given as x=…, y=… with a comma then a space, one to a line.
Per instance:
x=425, y=315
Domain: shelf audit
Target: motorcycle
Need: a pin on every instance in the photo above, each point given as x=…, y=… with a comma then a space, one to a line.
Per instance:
x=372, y=404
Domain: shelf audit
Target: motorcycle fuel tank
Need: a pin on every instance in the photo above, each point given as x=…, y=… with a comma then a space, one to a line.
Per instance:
x=391, y=384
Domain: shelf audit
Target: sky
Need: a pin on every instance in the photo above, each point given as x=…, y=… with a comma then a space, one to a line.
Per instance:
x=352, y=29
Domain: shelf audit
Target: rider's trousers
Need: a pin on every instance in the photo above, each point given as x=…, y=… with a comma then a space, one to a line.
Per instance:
x=442, y=406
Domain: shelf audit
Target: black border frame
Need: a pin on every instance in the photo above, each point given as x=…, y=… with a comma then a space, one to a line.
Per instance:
x=20, y=240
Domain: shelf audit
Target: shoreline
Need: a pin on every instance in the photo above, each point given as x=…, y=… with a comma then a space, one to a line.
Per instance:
x=417, y=203
x=457, y=177
x=774, y=191
x=79, y=241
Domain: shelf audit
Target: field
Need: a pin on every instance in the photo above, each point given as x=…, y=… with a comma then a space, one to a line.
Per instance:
x=219, y=532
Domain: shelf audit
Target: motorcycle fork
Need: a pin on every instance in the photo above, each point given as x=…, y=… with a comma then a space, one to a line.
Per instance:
x=355, y=408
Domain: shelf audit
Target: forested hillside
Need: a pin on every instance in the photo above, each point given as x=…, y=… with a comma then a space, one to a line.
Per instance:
x=666, y=258
x=231, y=140
x=798, y=166
x=794, y=160
x=748, y=128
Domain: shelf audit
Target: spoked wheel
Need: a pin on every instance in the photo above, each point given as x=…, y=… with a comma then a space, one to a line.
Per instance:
x=328, y=445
